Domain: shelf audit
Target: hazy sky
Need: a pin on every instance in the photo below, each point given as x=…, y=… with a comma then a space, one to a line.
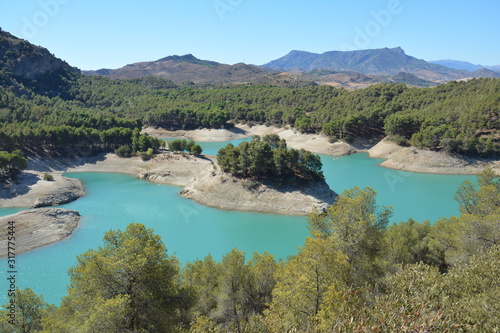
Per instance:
x=92, y=34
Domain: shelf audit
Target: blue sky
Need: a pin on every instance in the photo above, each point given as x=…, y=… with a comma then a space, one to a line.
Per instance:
x=95, y=34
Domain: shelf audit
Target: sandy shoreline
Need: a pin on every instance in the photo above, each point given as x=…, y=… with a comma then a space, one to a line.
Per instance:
x=315, y=143
x=396, y=157
x=202, y=181
x=35, y=228
x=200, y=178
x=30, y=190
x=426, y=161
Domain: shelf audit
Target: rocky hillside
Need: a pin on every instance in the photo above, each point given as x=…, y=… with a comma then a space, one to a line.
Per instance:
x=354, y=80
x=23, y=62
x=188, y=68
x=374, y=62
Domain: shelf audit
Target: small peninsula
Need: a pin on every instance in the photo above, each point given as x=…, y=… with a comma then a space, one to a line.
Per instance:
x=200, y=177
x=29, y=189
x=35, y=228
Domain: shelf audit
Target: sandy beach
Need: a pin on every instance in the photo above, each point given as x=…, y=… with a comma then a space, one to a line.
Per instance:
x=315, y=143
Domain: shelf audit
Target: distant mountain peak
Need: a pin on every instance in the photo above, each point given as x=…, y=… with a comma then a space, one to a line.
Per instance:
x=187, y=68
x=385, y=61
x=399, y=50
x=187, y=58
x=457, y=64
x=178, y=58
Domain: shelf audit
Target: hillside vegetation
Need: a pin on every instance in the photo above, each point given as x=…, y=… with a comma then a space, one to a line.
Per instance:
x=54, y=108
x=354, y=274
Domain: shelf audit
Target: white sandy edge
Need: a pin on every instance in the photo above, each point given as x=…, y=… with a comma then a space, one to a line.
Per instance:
x=397, y=157
x=316, y=143
x=426, y=161
x=203, y=181
x=35, y=228
x=30, y=190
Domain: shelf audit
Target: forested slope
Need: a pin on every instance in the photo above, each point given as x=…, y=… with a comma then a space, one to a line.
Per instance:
x=58, y=107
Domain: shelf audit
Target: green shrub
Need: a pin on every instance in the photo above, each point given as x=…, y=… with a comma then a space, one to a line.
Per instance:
x=196, y=149
x=48, y=177
x=123, y=151
x=399, y=140
x=251, y=185
x=177, y=145
x=146, y=156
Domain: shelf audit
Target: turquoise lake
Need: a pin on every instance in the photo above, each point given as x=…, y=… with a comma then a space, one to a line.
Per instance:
x=191, y=231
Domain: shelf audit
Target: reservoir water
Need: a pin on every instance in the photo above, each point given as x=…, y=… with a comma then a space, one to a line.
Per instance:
x=191, y=231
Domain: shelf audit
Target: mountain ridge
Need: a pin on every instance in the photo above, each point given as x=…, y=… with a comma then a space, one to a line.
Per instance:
x=187, y=68
x=26, y=63
x=384, y=61
x=463, y=65
x=22, y=63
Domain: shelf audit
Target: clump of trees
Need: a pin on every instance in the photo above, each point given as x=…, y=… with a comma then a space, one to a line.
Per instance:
x=129, y=284
x=140, y=144
x=11, y=164
x=355, y=273
x=181, y=145
x=269, y=158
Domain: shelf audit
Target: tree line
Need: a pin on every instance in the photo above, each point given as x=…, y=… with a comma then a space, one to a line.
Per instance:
x=355, y=273
x=456, y=117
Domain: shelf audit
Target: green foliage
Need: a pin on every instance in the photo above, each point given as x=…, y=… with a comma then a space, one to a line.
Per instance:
x=11, y=164
x=180, y=145
x=95, y=112
x=144, y=142
x=123, y=151
x=408, y=242
x=196, y=150
x=30, y=310
x=302, y=283
x=268, y=158
x=146, y=155
x=48, y=177
x=177, y=145
x=403, y=125
x=354, y=275
x=484, y=201
x=356, y=226
x=230, y=293
x=130, y=280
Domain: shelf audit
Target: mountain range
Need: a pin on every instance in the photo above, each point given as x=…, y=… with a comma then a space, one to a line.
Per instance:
x=380, y=62
x=464, y=65
x=351, y=69
x=188, y=68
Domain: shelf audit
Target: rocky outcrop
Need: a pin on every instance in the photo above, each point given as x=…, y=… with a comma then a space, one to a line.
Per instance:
x=427, y=161
x=28, y=61
x=70, y=190
x=37, y=227
x=219, y=190
x=29, y=190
